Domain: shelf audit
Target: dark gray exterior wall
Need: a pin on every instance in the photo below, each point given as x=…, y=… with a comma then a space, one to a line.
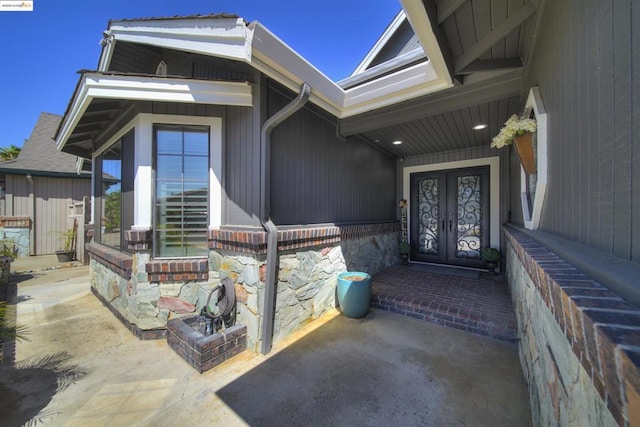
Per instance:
x=506, y=190
x=317, y=177
x=136, y=58
x=586, y=63
x=242, y=168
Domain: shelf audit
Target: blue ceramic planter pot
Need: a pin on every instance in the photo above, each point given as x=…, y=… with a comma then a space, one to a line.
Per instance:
x=354, y=293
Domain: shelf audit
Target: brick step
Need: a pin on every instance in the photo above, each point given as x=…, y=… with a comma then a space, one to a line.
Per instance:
x=449, y=318
x=479, y=305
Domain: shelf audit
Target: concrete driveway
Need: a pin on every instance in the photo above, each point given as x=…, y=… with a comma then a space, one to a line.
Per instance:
x=82, y=367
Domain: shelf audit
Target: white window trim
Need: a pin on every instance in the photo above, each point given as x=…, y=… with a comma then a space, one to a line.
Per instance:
x=532, y=221
x=494, y=189
x=143, y=182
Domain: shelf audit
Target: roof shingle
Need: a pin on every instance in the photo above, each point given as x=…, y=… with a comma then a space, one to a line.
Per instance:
x=39, y=153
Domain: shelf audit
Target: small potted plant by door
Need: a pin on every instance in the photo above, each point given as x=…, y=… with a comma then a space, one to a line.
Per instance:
x=67, y=252
x=491, y=258
x=404, y=248
x=354, y=293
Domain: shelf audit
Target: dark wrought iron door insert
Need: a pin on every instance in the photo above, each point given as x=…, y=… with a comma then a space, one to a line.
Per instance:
x=450, y=216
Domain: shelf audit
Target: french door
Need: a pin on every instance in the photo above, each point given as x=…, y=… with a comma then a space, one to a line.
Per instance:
x=450, y=216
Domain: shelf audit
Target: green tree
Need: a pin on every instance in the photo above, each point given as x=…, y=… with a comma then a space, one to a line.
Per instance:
x=112, y=203
x=9, y=153
x=8, y=328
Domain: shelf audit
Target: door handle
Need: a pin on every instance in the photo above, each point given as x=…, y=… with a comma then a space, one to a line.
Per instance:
x=450, y=225
x=443, y=225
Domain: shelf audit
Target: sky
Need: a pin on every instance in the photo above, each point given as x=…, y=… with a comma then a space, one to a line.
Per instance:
x=41, y=51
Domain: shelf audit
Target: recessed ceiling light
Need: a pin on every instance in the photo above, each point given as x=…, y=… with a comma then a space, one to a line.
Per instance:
x=479, y=126
x=397, y=142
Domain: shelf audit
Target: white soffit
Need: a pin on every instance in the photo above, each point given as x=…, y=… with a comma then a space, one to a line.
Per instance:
x=222, y=37
x=407, y=83
x=136, y=88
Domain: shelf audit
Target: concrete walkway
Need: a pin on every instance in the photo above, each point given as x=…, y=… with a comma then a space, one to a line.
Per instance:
x=82, y=367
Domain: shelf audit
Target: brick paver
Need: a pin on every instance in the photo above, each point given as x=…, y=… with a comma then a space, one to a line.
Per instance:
x=478, y=305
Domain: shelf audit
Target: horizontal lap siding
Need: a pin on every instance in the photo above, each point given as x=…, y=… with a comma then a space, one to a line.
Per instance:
x=317, y=177
x=586, y=65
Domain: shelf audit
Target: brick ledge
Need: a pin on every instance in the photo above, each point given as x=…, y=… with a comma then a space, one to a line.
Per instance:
x=254, y=241
x=117, y=261
x=177, y=270
x=602, y=328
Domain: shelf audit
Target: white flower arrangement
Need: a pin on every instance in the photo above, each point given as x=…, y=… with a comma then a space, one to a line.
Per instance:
x=513, y=127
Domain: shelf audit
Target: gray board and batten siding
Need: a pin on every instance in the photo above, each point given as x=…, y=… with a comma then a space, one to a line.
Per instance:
x=318, y=177
x=136, y=58
x=325, y=180
x=51, y=198
x=586, y=63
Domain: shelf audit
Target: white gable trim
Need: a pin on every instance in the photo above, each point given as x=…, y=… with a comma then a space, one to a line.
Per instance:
x=382, y=41
x=151, y=89
x=421, y=25
x=226, y=38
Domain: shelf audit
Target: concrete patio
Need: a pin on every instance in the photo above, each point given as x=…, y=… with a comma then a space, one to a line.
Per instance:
x=83, y=367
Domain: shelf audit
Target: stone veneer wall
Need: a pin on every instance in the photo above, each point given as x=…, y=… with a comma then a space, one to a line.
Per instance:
x=579, y=343
x=309, y=261
x=145, y=293
x=16, y=231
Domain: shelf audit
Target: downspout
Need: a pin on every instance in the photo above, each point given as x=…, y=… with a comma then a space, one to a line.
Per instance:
x=269, y=305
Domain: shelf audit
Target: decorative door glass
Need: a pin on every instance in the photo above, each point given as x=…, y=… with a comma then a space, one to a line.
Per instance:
x=449, y=216
x=428, y=216
x=469, y=216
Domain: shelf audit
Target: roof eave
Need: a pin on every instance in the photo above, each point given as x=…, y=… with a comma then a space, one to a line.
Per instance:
x=421, y=24
x=228, y=38
x=276, y=59
x=411, y=82
x=36, y=172
x=254, y=44
x=143, y=88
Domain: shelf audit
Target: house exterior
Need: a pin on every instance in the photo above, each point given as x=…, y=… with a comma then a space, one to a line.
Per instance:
x=39, y=190
x=219, y=152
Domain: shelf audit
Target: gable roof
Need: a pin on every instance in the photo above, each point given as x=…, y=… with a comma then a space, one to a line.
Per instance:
x=39, y=155
x=230, y=37
x=397, y=40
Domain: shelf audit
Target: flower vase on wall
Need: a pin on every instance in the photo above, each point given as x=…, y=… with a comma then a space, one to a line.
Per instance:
x=524, y=147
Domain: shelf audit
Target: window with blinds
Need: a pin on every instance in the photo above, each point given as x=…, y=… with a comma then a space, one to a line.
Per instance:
x=181, y=163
